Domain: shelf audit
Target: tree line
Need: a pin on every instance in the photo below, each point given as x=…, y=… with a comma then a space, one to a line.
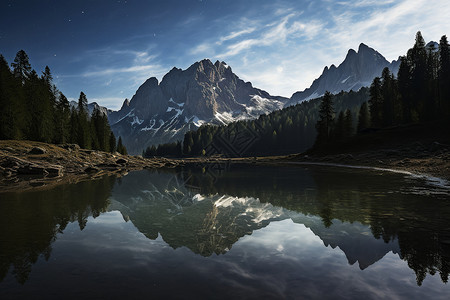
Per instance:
x=419, y=93
x=32, y=108
x=290, y=130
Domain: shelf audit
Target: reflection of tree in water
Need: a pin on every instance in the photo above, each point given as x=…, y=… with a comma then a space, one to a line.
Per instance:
x=30, y=221
x=418, y=222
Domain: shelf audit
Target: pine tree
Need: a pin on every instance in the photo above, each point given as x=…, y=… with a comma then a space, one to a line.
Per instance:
x=62, y=119
x=112, y=142
x=388, y=95
x=47, y=105
x=21, y=66
x=376, y=102
x=363, y=117
x=325, y=123
x=97, y=130
x=404, y=89
x=120, y=147
x=188, y=142
x=9, y=103
x=339, y=128
x=83, y=132
x=33, y=109
x=418, y=58
x=73, y=126
x=431, y=83
x=82, y=103
x=348, y=124
x=444, y=76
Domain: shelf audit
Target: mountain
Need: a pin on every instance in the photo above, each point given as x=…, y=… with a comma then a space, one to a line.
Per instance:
x=184, y=100
x=357, y=70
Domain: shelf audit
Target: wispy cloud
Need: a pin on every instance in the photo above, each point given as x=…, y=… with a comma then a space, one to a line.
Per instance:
x=285, y=49
x=236, y=34
x=390, y=28
x=275, y=33
x=202, y=48
x=281, y=46
x=115, y=71
x=365, y=3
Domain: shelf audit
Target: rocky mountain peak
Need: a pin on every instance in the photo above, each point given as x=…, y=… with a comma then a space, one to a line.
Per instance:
x=125, y=104
x=350, y=53
x=150, y=83
x=364, y=47
x=357, y=70
x=186, y=99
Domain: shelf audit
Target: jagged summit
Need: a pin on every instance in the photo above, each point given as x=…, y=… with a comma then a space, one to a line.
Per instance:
x=125, y=104
x=210, y=93
x=363, y=47
x=357, y=70
x=184, y=100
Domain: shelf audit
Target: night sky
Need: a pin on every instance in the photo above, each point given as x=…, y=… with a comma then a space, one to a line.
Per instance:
x=108, y=48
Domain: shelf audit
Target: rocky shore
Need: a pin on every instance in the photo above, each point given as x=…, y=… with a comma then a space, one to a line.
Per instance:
x=28, y=164
x=25, y=164
x=431, y=159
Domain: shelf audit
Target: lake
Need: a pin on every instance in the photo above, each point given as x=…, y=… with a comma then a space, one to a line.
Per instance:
x=229, y=231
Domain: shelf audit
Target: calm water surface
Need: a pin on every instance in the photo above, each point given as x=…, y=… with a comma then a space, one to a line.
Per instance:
x=234, y=232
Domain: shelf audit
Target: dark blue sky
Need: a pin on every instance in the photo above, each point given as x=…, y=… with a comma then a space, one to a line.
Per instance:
x=108, y=48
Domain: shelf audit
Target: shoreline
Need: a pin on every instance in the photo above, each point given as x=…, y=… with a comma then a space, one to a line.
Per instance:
x=22, y=168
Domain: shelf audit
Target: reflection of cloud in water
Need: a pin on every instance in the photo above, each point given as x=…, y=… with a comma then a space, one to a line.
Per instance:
x=213, y=224
x=363, y=214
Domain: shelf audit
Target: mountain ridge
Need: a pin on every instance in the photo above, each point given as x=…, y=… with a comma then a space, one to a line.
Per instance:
x=162, y=112
x=207, y=93
x=357, y=70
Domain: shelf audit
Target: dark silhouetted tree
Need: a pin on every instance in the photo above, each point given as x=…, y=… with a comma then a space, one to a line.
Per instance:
x=444, y=76
x=112, y=142
x=363, y=117
x=62, y=120
x=348, y=124
x=83, y=132
x=325, y=123
x=388, y=94
x=120, y=147
x=376, y=103
x=9, y=91
x=21, y=66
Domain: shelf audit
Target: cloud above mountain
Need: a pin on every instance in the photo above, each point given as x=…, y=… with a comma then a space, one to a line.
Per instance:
x=108, y=49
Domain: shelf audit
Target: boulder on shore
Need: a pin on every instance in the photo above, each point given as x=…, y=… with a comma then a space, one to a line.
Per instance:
x=37, y=150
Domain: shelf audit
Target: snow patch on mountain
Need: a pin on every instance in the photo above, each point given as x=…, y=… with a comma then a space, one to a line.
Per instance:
x=184, y=100
x=136, y=120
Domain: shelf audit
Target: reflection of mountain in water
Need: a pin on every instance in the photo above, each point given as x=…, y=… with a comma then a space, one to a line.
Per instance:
x=30, y=221
x=365, y=216
x=160, y=203
x=396, y=209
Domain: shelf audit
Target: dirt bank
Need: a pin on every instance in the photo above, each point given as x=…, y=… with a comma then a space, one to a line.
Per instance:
x=28, y=164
